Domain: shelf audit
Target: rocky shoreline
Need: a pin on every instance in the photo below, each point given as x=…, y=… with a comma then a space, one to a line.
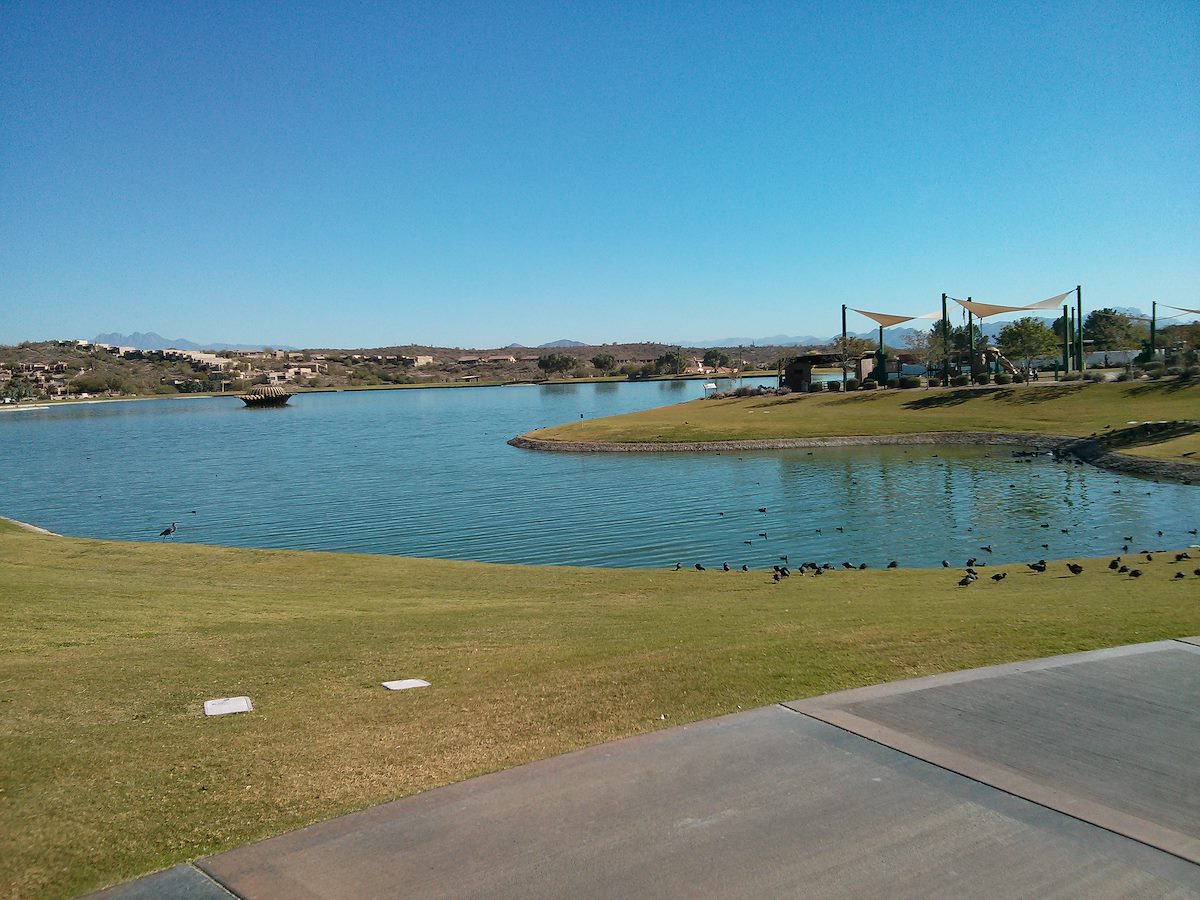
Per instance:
x=1087, y=449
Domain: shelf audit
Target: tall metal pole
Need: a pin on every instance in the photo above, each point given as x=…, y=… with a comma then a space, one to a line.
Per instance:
x=1066, y=341
x=845, y=352
x=1153, y=323
x=945, y=344
x=1074, y=344
x=971, y=339
x=1079, y=325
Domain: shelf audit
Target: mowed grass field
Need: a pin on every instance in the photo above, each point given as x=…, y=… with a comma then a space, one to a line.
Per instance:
x=1069, y=408
x=108, y=768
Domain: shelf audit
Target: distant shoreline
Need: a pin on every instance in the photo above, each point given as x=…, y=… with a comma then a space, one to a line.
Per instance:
x=599, y=379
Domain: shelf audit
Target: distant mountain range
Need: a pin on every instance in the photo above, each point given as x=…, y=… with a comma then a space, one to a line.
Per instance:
x=149, y=340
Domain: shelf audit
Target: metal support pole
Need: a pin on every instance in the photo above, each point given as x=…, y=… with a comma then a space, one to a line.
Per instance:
x=845, y=352
x=971, y=340
x=1079, y=325
x=945, y=343
x=1153, y=324
x=1074, y=344
x=1066, y=341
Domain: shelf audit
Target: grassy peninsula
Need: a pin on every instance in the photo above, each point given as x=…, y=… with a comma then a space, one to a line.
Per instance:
x=1065, y=408
x=107, y=651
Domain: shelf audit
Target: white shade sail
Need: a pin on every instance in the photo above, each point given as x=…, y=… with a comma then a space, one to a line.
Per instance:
x=983, y=310
x=884, y=319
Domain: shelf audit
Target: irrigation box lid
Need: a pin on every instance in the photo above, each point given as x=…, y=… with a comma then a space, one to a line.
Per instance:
x=224, y=706
x=405, y=684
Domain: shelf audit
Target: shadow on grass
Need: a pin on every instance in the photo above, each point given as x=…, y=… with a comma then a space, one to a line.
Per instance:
x=1027, y=396
x=940, y=400
x=1166, y=386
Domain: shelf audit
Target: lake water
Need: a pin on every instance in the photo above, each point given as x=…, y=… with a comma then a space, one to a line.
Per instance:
x=428, y=473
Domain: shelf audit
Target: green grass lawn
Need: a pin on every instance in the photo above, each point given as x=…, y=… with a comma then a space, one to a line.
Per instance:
x=108, y=769
x=1070, y=408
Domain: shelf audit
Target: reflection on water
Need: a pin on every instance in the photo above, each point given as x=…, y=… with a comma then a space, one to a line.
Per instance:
x=428, y=473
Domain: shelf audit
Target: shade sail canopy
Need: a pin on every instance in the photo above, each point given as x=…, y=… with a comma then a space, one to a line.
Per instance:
x=884, y=319
x=983, y=310
x=1051, y=303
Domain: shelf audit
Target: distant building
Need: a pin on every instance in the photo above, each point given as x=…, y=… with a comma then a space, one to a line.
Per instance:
x=416, y=362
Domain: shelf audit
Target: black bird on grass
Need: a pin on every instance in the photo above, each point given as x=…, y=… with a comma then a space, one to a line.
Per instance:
x=965, y=580
x=1179, y=575
x=1149, y=558
x=1039, y=566
x=745, y=568
x=1180, y=557
x=1122, y=570
x=678, y=566
x=699, y=568
x=862, y=565
x=893, y=564
x=724, y=567
x=945, y=564
x=847, y=565
x=1135, y=573
x=1075, y=568
x=971, y=562
x=167, y=532
x=1115, y=564
x=999, y=576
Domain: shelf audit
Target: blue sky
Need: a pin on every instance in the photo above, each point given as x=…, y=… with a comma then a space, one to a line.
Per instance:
x=474, y=174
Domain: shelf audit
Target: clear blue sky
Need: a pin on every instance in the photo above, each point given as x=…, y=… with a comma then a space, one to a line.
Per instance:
x=473, y=174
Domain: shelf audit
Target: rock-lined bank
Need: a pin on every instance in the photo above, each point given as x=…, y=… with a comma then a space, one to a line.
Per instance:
x=1087, y=449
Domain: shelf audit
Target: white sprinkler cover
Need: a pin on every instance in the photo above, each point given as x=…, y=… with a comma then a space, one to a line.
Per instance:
x=406, y=684
x=223, y=706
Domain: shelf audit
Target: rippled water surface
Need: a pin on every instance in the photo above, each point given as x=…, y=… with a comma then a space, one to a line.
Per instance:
x=428, y=473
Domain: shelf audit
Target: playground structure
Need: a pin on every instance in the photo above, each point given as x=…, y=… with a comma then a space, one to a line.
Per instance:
x=977, y=358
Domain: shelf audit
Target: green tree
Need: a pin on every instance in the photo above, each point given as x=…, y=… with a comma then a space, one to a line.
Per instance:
x=672, y=363
x=716, y=358
x=19, y=388
x=605, y=362
x=555, y=363
x=1027, y=338
x=960, y=337
x=1108, y=329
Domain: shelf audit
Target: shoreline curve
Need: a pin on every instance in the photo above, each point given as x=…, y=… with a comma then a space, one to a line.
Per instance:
x=1086, y=449
x=25, y=526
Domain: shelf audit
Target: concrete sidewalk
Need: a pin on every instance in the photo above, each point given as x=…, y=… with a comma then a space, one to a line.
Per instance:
x=1068, y=776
